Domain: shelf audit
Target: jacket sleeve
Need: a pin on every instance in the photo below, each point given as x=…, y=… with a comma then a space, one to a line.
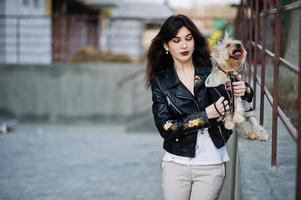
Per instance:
x=248, y=96
x=170, y=126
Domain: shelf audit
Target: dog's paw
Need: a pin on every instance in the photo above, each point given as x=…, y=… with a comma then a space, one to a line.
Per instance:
x=252, y=136
x=229, y=125
x=262, y=134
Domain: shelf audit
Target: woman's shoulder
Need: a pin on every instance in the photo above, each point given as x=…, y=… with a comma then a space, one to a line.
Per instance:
x=203, y=69
x=157, y=78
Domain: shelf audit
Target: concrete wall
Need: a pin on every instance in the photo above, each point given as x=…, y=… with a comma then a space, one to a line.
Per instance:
x=27, y=39
x=71, y=91
x=256, y=179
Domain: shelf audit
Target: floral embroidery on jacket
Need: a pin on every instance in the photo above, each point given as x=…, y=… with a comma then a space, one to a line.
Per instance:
x=170, y=126
x=194, y=122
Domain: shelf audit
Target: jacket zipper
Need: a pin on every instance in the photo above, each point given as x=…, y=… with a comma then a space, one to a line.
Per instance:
x=192, y=100
x=220, y=132
x=169, y=102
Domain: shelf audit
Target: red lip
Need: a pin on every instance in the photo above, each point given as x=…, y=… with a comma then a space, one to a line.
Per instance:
x=185, y=53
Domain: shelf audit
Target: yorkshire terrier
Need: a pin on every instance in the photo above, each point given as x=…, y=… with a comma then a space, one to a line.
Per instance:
x=228, y=57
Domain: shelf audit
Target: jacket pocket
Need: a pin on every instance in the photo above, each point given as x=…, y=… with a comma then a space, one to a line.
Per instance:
x=173, y=107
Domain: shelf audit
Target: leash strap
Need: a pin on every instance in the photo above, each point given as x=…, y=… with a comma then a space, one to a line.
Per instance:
x=218, y=111
x=232, y=79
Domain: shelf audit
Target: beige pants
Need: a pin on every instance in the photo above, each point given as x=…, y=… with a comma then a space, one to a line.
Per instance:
x=192, y=182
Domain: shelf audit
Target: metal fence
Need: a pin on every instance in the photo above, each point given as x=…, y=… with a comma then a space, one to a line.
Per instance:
x=255, y=21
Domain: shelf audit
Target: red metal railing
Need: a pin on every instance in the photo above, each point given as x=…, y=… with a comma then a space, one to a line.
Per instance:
x=251, y=28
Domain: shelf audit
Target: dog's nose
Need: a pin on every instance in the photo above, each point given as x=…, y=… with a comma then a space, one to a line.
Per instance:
x=238, y=46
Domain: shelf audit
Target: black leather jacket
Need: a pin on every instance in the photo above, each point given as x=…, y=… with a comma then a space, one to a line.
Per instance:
x=179, y=115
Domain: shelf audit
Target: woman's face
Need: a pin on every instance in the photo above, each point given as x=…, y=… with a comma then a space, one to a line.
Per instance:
x=181, y=46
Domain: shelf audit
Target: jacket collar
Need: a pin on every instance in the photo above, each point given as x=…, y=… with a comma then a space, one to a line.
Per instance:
x=172, y=79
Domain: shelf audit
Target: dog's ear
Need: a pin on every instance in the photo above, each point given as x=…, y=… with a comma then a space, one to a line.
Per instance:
x=215, y=53
x=226, y=35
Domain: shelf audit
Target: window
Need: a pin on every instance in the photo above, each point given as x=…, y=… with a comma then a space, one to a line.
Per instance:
x=36, y=3
x=25, y=2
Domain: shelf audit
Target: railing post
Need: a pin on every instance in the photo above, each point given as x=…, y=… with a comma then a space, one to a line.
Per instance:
x=276, y=83
x=263, y=54
x=250, y=39
x=255, y=51
x=298, y=173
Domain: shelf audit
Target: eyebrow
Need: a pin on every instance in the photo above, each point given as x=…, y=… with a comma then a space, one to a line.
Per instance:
x=185, y=36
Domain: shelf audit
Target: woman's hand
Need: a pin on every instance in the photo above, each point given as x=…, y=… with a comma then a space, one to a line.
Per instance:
x=220, y=108
x=239, y=87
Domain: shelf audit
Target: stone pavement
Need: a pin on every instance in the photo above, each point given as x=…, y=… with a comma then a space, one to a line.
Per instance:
x=79, y=162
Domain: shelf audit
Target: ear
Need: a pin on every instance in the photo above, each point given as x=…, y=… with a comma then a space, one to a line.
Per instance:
x=227, y=35
x=165, y=45
x=215, y=53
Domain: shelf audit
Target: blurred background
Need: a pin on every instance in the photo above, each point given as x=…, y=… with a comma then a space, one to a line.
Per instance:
x=85, y=59
x=75, y=117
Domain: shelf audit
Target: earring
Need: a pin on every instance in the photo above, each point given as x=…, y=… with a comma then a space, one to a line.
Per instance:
x=166, y=52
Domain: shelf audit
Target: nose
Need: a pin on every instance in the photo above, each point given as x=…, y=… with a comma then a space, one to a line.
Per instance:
x=184, y=45
x=238, y=46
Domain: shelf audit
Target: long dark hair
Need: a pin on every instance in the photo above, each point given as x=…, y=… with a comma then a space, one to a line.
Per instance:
x=158, y=60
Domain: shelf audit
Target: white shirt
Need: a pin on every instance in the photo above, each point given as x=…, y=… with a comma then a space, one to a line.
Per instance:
x=206, y=152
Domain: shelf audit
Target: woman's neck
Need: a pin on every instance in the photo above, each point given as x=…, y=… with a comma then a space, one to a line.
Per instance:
x=183, y=67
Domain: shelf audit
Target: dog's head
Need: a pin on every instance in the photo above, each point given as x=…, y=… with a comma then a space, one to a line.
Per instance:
x=229, y=54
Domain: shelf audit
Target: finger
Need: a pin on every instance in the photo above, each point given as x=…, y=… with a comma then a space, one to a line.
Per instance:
x=228, y=108
x=217, y=109
x=239, y=95
x=238, y=77
x=238, y=91
x=237, y=83
x=219, y=101
x=239, y=87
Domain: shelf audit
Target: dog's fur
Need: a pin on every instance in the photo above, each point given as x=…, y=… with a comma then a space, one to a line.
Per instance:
x=230, y=55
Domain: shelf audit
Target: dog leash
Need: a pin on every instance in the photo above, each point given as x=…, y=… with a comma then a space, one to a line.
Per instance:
x=231, y=77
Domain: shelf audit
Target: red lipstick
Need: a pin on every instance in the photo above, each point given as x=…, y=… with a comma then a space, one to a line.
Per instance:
x=185, y=53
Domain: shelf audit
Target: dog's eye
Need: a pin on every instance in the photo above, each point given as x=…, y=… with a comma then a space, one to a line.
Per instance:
x=228, y=45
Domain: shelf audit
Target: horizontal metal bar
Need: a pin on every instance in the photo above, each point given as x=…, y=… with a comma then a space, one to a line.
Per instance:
x=271, y=12
x=291, y=6
x=286, y=63
x=287, y=123
x=268, y=52
x=289, y=65
x=285, y=8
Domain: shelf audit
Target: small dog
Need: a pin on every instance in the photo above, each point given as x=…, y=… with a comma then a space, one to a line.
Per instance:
x=228, y=57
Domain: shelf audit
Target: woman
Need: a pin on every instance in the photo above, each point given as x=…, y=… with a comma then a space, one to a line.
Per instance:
x=178, y=63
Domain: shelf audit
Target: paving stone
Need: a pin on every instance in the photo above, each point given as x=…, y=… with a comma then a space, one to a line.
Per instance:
x=61, y=162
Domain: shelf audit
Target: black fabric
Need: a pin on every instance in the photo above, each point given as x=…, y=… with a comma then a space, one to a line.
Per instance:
x=174, y=103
